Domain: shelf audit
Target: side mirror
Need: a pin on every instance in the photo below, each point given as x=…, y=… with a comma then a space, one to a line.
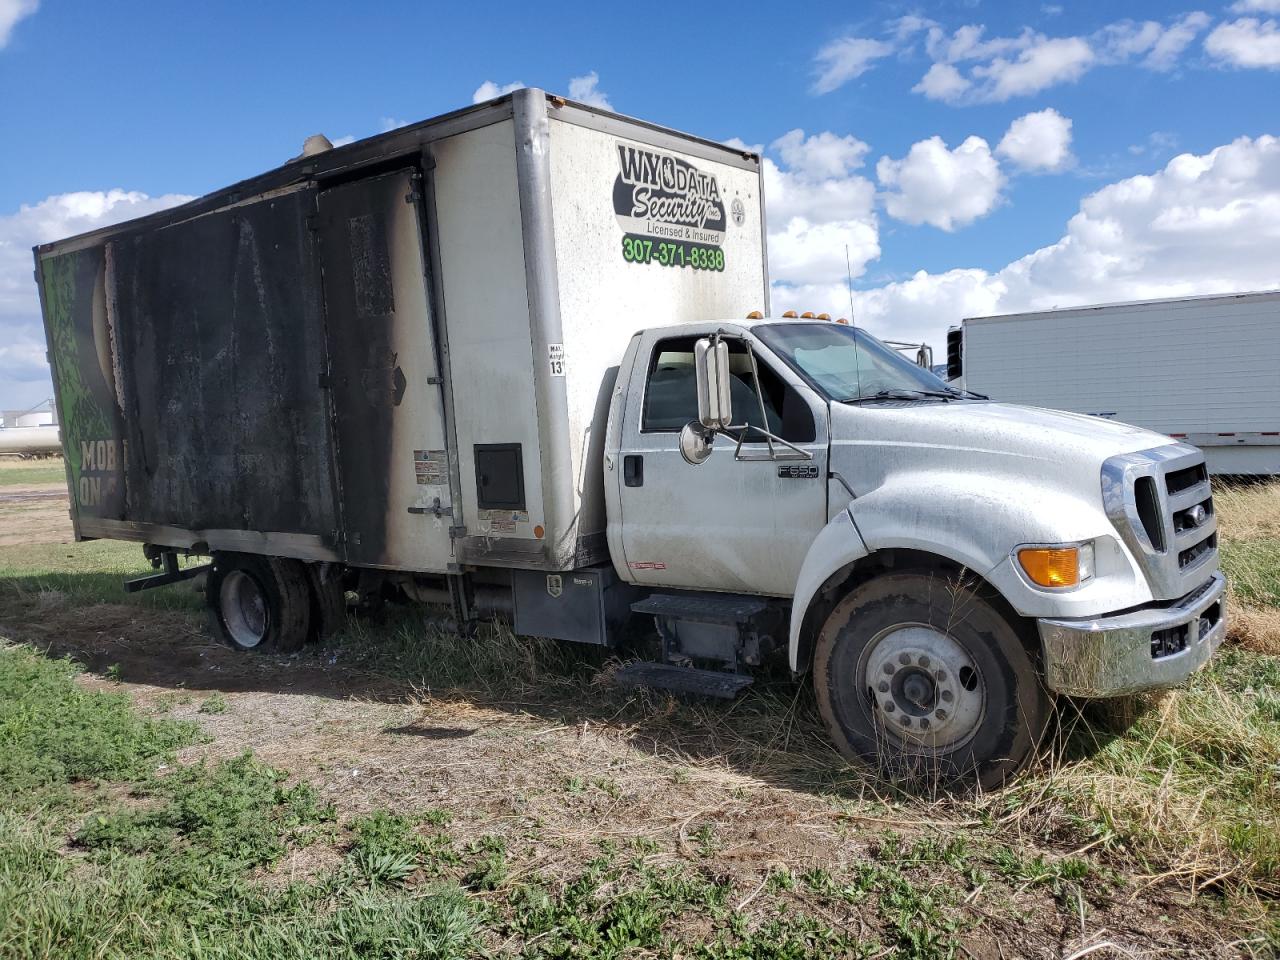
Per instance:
x=711, y=366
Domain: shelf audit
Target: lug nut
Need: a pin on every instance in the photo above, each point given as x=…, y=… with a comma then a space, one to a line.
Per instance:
x=884, y=686
x=888, y=668
x=904, y=658
x=924, y=662
x=946, y=695
x=941, y=675
x=904, y=720
x=940, y=714
x=924, y=723
x=888, y=706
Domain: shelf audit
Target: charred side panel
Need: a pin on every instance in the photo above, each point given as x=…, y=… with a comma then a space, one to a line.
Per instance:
x=73, y=289
x=369, y=381
x=222, y=351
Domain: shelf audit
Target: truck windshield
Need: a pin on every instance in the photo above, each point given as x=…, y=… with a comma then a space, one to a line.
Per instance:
x=849, y=364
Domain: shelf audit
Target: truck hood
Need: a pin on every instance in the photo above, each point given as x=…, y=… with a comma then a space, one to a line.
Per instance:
x=1017, y=441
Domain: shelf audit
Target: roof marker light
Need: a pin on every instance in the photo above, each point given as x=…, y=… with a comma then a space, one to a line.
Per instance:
x=755, y=315
x=790, y=314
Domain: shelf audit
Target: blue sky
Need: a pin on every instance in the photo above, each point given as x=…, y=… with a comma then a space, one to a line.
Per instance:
x=163, y=99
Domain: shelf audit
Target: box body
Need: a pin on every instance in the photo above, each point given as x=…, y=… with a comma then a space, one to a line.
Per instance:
x=398, y=353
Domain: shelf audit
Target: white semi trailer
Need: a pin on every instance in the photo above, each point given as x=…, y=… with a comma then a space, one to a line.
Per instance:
x=517, y=358
x=1205, y=370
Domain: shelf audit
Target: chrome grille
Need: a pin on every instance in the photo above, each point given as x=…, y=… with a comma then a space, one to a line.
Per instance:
x=1161, y=505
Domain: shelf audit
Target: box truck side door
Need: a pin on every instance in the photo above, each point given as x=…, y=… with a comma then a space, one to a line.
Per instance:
x=724, y=524
x=385, y=376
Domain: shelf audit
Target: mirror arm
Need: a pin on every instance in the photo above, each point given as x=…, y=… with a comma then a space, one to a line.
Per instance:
x=755, y=379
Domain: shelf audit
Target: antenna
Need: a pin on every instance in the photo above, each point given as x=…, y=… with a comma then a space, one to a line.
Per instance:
x=853, y=321
x=848, y=285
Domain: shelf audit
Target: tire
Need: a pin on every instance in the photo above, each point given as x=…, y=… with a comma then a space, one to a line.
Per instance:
x=258, y=603
x=328, y=600
x=928, y=680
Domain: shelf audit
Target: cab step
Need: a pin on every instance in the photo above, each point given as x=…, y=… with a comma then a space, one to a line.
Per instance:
x=691, y=680
x=701, y=607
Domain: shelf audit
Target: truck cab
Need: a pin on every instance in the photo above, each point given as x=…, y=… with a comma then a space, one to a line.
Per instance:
x=944, y=563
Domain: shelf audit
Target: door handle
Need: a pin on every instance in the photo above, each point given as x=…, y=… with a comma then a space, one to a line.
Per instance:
x=633, y=470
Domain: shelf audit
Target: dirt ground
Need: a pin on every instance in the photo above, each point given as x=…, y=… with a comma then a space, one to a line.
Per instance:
x=553, y=790
x=34, y=513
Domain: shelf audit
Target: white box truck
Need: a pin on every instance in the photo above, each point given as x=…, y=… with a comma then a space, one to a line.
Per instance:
x=516, y=359
x=1205, y=370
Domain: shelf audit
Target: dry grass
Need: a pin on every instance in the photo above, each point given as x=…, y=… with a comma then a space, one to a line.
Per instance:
x=1249, y=529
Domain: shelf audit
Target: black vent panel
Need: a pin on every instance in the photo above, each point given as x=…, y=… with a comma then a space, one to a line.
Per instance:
x=1147, y=500
x=1180, y=480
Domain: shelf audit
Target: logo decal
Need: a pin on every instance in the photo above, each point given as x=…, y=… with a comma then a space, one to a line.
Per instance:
x=671, y=213
x=555, y=585
x=659, y=195
x=798, y=472
x=738, y=211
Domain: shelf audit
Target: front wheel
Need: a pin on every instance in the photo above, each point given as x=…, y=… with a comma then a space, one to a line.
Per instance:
x=928, y=680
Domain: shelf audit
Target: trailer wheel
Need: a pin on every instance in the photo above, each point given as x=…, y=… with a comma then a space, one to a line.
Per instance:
x=929, y=681
x=258, y=603
x=328, y=600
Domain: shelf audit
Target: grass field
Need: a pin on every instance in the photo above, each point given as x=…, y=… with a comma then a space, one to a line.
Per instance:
x=15, y=472
x=528, y=808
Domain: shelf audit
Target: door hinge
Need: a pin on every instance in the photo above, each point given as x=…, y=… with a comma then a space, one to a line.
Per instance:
x=457, y=533
x=435, y=381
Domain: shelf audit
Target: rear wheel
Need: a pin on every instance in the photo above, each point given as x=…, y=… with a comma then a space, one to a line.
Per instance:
x=258, y=603
x=929, y=681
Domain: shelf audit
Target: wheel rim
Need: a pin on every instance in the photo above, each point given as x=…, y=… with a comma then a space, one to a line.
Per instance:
x=926, y=693
x=244, y=608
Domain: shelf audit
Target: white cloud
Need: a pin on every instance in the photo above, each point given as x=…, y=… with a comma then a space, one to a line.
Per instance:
x=943, y=82
x=1247, y=42
x=818, y=207
x=1047, y=63
x=490, y=90
x=969, y=67
x=343, y=141
x=24, y=375
x=387, y=124
x=1256, y=6
x=1158, y=46
x=1203, y=224
x=842, y=60
x=821, y=156
x=1038, y=141
x=945, y=188
x=1176, y=38
x=586, y=89
x=11, y=11
x=1158, y=142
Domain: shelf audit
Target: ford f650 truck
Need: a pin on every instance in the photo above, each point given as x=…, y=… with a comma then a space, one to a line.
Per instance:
x=515, y=359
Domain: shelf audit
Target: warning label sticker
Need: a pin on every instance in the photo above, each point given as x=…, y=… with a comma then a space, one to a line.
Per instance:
x=431, y=467
x=555, y=359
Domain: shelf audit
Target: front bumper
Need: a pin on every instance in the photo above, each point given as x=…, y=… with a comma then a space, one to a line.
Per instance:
x=1144, y=649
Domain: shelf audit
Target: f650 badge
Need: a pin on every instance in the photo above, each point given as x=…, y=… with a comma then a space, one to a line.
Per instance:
x=798, y=471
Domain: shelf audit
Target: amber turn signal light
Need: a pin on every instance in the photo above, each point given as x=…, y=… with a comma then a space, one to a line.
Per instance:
x=1051, y=566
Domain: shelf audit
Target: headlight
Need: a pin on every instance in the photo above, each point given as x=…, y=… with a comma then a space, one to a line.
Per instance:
x=1066, y=565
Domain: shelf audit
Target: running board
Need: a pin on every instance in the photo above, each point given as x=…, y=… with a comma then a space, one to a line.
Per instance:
x=666, y=676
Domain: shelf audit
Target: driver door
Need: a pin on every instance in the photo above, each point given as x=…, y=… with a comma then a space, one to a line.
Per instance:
x=724, y=524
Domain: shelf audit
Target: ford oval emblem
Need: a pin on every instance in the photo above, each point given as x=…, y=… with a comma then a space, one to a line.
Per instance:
x=1197, y=514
